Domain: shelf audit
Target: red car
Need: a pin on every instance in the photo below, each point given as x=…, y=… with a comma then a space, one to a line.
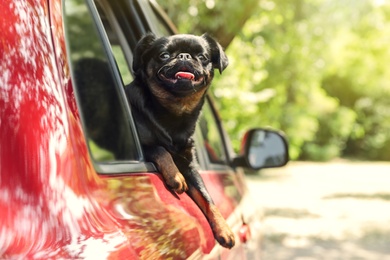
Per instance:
x=64, y=197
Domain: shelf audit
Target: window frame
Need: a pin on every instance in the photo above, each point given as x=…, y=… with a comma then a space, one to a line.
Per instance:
x=201, y=151
x=115, y=166
x=112, y=19
x=128, y=39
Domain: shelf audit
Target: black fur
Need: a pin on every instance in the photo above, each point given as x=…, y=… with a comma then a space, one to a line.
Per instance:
x=172, y=76
x=157, y=124
x=166, y=105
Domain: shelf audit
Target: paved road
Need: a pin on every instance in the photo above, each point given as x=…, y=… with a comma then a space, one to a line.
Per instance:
x=338, y=210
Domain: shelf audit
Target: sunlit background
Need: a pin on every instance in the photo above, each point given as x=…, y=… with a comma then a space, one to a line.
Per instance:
x=316, y=69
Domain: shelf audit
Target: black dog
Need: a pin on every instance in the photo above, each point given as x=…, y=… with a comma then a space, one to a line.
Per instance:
x=172, y=75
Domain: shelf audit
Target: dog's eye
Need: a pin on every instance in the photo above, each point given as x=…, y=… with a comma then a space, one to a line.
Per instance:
x=165, y=56
x=202, y=57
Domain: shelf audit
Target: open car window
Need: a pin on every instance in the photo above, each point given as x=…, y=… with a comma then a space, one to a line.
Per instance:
x=99, y=88
x=101, y=36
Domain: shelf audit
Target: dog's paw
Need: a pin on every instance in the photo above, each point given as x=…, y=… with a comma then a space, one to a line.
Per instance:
x=177, y=182
x=225, y=237
x=221, y=230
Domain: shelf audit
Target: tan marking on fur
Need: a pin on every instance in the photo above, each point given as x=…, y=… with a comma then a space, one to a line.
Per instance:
x=221, y=230
x=172, y=176
x=177, y=105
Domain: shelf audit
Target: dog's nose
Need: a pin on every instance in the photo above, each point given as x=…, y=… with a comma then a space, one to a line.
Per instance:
x=184, y=56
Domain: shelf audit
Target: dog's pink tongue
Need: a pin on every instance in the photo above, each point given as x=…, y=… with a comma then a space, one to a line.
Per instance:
x=184, y=75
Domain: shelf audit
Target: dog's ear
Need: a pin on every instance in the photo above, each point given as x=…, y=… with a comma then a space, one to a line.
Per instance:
x=218, y=57
x=140, y=50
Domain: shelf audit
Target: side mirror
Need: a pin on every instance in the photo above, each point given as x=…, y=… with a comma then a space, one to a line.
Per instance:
x=262, y=148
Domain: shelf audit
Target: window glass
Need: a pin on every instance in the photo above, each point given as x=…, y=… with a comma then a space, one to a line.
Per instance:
x=98, y=86
x=124, y=70
x=117, y=40
x=157, y=23
x=212, y=139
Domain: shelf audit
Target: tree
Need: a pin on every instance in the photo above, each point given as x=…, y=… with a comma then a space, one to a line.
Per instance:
x=278, y=61
x=359, y=77
x=317, y=69
x=221, y=19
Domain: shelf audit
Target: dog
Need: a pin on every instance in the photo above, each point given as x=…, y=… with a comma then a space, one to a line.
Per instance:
x=171, y=78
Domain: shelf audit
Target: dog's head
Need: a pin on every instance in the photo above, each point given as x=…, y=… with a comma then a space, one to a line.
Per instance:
x=178, y=66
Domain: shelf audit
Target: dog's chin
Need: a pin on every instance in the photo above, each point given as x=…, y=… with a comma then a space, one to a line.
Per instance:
x=183, y=84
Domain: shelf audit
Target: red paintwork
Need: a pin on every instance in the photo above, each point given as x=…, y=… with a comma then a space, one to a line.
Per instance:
x=244, y=233
x=52, y=202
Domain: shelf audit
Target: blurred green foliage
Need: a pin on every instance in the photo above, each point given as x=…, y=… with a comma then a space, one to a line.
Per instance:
x=316, y=69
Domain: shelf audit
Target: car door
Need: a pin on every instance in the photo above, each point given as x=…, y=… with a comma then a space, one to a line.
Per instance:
x=101, y=36
x=226, y=184
x=158, y=224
